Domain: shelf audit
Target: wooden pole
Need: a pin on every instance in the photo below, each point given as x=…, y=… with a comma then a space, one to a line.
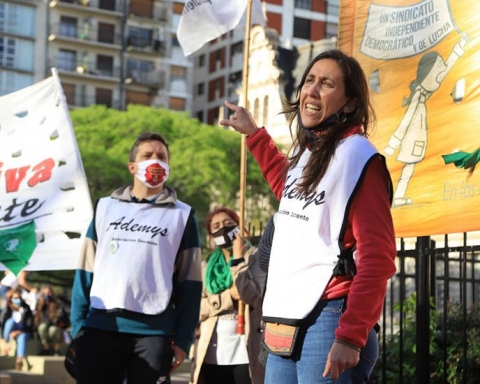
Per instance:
x=243, y=153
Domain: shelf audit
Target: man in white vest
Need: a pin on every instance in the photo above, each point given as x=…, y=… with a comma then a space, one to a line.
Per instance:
x=136, y=293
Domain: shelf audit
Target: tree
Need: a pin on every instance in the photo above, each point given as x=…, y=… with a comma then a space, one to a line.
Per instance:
x=205, y=160
x=205, y=164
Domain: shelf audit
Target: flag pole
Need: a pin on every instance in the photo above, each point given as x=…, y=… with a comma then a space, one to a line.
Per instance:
x=243, y=152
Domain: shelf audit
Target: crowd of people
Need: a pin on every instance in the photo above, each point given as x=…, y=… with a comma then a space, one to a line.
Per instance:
x=301, y=307
x=27, y=312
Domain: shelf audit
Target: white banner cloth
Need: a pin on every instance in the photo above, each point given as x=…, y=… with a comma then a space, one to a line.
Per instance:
x=205, y=20
x=42, y=179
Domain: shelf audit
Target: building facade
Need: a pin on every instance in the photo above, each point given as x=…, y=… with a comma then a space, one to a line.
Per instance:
x=111, y=52
x=294, y=29
x=117, y=52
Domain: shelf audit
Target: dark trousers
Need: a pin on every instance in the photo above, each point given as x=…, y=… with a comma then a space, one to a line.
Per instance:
x=104, y=357
x=225, y=374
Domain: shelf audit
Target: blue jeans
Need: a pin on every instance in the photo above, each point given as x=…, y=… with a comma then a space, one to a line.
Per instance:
x=316, y=336
x=22, y=338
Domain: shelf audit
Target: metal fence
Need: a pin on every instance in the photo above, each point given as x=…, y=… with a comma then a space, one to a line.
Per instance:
x=425, y=335
x=430, y=327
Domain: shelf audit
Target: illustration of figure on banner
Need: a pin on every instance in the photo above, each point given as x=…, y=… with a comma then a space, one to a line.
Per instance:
x=411, y=133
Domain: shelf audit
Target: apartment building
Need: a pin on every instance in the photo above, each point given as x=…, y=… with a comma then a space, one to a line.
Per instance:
x=294, y=30
x=111, y=52
x=117, y=52
x=21, y=55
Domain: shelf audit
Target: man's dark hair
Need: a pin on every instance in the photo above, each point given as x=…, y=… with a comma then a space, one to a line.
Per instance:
x=143, y=137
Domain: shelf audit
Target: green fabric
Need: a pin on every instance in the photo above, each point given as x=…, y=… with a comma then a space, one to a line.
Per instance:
x=17, y=246
x=463, y=159
x=218, y=276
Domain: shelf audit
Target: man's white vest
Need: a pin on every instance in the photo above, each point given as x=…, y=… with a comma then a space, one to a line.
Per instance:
x=136, y=250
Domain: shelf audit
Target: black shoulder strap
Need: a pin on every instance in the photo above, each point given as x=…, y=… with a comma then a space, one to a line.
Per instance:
x=345, y=265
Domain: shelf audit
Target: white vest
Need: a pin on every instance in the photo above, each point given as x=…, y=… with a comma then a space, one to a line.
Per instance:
x=308, y=232
x=135, y=257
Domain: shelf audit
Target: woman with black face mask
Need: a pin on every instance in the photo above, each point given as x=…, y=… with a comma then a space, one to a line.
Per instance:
x=334, y=248
x=220, y=352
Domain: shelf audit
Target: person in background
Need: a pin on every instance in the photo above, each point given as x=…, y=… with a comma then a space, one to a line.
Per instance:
x=334, y=245
x=49, y=321
x=250, y=283
x=18, y=325
x=136, y=292
x=220, y=354
x=9, y=282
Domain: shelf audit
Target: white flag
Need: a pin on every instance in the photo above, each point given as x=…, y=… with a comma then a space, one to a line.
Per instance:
x=205, y=20
x=45, y=205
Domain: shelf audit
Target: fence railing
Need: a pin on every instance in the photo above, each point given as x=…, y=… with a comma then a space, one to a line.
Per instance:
x=424, y=336
x=430, y=327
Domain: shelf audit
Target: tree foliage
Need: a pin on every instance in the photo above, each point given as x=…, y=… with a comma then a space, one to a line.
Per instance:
x=204, y=165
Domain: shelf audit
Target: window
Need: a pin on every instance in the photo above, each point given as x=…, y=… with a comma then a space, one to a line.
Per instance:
x=237, y=48
x=69, y=92
x=67, y=60
x=301, y=28
x=177, y=104
x=331, y=30
x=178, y=73
x=235, y=80
x=106, y=33
x=11, y=82
x=139, y=71
x=16, y=53
x=265, y=111
x=332, y=7
x=134, y=97
x=201, y=60
x=175, y=42
x=107, y=4
x=303, y=4
x=7, y=52
x=217, y=84
x=17, y=19
x=103, y=96
x=68, y=26
x=142, y=8
x=200, y=89
x=138, y=66
x=140, y=37
x=105, y=65
x=256, y=110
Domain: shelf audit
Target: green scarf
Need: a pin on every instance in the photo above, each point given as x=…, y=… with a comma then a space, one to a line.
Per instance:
x=218, y=276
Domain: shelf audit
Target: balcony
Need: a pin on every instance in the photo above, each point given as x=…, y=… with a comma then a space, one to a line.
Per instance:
x=83, y=68
x=142, y=44
x=161, y=14
x=86, y=35
x=153, y=79
x=79, y=100
x=104, y=6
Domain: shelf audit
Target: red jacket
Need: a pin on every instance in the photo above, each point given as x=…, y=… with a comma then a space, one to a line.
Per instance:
x=370, y=227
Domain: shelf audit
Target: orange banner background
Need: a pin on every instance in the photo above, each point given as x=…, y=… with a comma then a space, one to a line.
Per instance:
x=395, y=42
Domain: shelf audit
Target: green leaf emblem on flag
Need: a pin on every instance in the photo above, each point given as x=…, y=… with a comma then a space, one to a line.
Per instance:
x=17, y=246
